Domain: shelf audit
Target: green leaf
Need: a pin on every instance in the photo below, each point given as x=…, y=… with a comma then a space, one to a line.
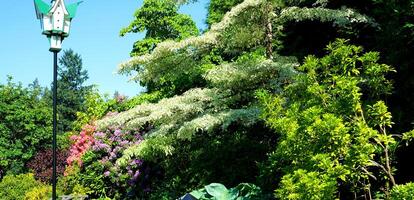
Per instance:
x=197, y=194
x=216, y=190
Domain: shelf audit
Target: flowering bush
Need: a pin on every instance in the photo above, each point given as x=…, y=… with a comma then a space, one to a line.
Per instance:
x=110, y=145
x=96, y=154
x=81, y=143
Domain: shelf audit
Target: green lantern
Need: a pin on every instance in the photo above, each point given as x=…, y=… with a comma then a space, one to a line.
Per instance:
x=55, y=20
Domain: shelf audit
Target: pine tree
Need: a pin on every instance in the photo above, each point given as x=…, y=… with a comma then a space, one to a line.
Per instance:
x=71, y=89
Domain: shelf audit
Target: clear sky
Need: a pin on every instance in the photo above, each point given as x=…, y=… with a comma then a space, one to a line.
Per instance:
x=94, y=35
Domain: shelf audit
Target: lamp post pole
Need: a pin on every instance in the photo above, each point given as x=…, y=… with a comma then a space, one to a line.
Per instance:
x=54, y=143
x=55, y=19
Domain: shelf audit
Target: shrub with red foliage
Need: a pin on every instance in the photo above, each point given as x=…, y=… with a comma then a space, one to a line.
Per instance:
x=41, y=164
x=81, y=143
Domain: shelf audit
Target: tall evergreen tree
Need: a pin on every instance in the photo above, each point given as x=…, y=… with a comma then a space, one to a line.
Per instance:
x=71, y=88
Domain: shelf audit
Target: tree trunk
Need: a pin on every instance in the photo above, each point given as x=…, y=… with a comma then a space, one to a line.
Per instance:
x=269, y=31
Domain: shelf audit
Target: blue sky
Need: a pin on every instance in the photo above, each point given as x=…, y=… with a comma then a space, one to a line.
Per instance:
x=94, y=34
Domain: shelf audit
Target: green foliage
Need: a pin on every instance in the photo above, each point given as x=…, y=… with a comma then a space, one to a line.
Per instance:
x=70, y=183
x=218, y=191
x=71, y=89
x=214, y=77
x=402, y=192
x=98, y=106
x=161, y=21
x=332, y=125
x=43, y=192
x=395, y=41
x=329, y=115
x=14, y=187
x=218, y=8
x=304, y=185
x=25, y=124
x=141, y=99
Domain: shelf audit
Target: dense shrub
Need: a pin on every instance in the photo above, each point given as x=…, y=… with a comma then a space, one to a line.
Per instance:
x=99, y=171
x=25, y=125
x=43, y=192
x=41, y=164
x=70, y=183
x=14, y=187
x=402, y=192
x=334, y=129
x=81, y=144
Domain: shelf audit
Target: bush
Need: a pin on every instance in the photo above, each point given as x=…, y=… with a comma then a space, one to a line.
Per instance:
x=16, y=186
x=402, y=192
x=99, y=171
x=81, y=144
x=25, y=125
x=43, y=192
x=70, y=182
x=41, y=164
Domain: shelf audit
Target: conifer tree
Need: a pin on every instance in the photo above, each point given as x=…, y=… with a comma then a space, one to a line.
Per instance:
x=71, y=89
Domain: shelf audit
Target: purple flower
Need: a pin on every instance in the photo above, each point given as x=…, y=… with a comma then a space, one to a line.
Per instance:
x=104, y=160
x=112, y=155
x=99, y=135
x=136, y=175
x=107, y=173
x=118, y=133
x=137, y=142
x=124, y=143
x=100, y=146
x=138, y=136
x=136, y=162
x=147, y=189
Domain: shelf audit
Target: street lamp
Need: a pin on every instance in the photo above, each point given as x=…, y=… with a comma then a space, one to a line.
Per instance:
x=55, y=20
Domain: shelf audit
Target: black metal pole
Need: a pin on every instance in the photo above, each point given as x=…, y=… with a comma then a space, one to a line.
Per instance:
x=54, y=144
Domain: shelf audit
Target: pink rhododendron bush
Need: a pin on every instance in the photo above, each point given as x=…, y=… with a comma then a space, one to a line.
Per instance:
x=81, y=143
x=92, y=163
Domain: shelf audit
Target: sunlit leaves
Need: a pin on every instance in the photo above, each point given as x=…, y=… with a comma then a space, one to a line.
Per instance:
x=307, y=185
x=325, y=124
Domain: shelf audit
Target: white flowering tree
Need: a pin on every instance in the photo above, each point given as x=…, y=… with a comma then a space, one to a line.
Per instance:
x=228, y=63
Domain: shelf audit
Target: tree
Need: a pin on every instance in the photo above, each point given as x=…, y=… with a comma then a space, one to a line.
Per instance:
x=216, y=119
x=71, y=89
x=218, y=8
x=334, y=128
x=25, y=125
x=161, y=21
x=208, y=128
